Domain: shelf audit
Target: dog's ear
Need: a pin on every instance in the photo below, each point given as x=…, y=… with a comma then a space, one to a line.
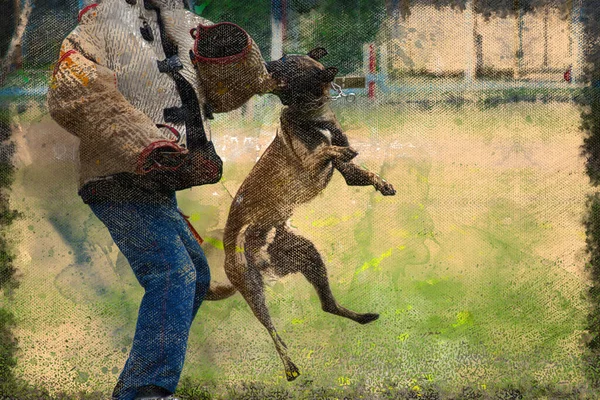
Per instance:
x=328, y=74
x=317, y=54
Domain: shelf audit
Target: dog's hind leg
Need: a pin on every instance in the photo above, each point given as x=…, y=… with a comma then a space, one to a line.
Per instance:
x=248, y=280
x=257, y=302
x=293, y=253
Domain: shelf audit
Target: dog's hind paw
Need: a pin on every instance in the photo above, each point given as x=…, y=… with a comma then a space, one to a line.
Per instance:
x=366, y=318
x=291, y=372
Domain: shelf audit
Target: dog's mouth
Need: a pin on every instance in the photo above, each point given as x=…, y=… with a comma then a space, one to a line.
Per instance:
x=273, y=67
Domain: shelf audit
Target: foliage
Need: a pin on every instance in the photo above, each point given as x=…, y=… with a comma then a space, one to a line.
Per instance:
x=6, y=25
x=590, y=100
x=593, y=246
x=343, y=28
x=8, y=343
x=7, y=215
x=8, y=346
x=500, y=8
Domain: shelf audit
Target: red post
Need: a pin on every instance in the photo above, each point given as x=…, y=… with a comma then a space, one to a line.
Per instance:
x=284, y=19
x=372, y=71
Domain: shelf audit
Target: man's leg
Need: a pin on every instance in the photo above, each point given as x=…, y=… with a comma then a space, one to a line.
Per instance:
x=149, y=237
x=199, y=259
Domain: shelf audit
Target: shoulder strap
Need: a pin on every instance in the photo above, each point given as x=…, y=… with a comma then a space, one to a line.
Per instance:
x=189, y=113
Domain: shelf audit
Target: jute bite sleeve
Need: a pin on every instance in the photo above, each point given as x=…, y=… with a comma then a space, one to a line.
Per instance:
x=84, y=99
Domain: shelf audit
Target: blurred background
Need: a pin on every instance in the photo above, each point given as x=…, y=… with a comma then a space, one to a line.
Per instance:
x=476, y=44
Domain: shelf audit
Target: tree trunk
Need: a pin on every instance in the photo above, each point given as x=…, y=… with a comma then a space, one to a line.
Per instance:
x=518, y=39
x=471, y=47
x=18, y=53
x=15, y=44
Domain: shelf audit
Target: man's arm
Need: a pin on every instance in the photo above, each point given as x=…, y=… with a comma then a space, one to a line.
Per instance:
x=84, y=99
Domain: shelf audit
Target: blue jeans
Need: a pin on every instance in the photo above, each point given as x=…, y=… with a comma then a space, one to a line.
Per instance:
x=170, y=265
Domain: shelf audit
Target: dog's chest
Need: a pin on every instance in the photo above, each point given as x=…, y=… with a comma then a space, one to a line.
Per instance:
x=307, y=139
x=313, y=171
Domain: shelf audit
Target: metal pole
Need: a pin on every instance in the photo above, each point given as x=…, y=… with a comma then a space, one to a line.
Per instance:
x=372, y=71
x=577, y=42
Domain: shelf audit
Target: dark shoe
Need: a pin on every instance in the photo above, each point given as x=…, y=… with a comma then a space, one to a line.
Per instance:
x=117, y=390
x=153, y=392
x=169, y=397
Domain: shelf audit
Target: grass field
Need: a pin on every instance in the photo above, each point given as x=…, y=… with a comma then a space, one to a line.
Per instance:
x=476, y=265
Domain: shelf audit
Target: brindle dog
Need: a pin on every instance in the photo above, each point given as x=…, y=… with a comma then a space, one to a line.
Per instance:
x=294, y=169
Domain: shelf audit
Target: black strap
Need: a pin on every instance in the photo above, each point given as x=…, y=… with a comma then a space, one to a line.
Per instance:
x=171, y=64
x=174, y=115
x=189, y=112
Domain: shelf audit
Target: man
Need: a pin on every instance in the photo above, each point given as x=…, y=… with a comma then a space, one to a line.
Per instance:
x=124, y=74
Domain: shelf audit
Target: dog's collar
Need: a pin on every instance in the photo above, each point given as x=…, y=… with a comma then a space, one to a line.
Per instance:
x=309, y=109
x=318, y=104
x=311, y=106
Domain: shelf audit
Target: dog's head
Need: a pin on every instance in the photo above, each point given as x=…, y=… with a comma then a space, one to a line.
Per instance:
x=301, y=79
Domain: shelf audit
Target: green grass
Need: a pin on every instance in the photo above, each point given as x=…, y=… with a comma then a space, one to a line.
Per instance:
x=474, y=267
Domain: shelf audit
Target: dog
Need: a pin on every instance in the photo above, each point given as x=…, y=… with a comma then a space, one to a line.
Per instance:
x=295, y=168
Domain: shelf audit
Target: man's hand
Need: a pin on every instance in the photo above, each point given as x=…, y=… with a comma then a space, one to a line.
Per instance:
x=181, y=170
x=168, y=158
x=164, y=158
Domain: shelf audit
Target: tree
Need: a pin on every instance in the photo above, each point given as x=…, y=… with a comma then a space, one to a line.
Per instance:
x=7, y=25
x=343, y=27
x=253, y=16
x=15, y=42
x=590, y=99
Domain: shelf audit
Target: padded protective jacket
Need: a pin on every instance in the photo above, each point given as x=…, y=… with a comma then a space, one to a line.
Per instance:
x=107, y=89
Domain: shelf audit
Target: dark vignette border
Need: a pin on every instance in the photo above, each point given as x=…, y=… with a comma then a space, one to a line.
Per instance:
x=11, y=387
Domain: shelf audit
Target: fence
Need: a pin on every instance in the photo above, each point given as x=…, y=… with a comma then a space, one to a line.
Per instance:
x=446, y=42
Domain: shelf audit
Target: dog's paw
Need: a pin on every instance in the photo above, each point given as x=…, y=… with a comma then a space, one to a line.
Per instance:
x=291, y=371
x=347, y=154
x=387, y=189
x=366, y=318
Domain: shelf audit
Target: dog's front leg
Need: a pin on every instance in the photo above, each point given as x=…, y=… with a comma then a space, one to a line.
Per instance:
x=330, y=153
x=357, y=176
x=339, y=153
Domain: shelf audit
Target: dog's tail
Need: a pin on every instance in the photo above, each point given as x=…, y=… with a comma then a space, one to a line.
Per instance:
x=219, y=291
